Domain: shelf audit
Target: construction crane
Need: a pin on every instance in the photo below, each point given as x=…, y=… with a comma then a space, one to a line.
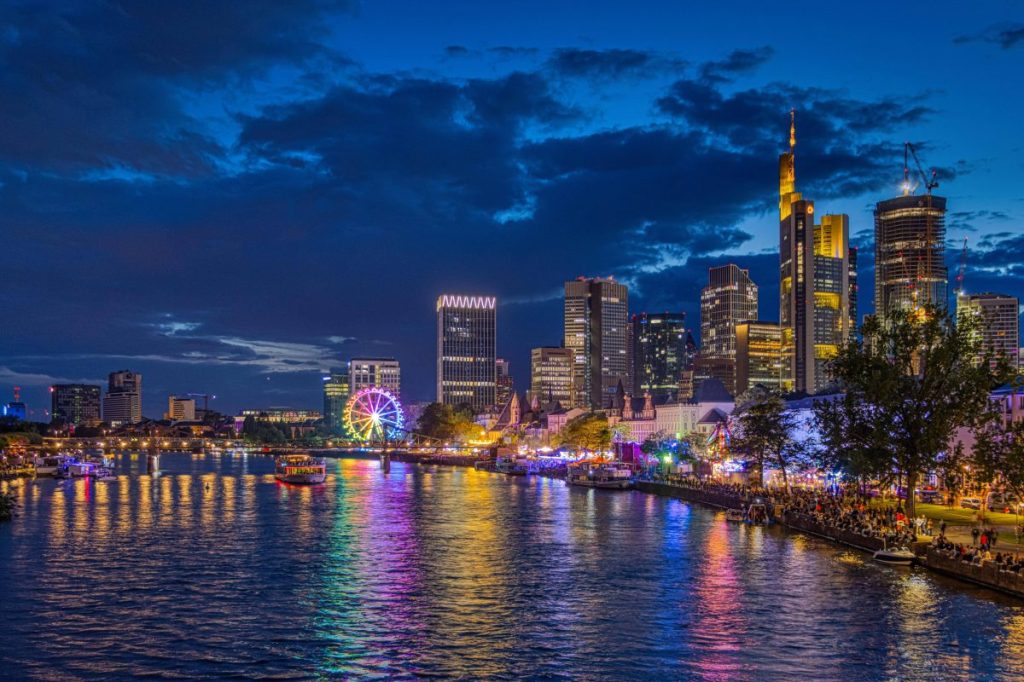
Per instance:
x=930, y=182
x=206, y=400
x=925, y=256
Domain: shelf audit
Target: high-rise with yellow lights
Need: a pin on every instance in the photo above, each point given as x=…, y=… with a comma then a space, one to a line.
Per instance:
x=815, y=283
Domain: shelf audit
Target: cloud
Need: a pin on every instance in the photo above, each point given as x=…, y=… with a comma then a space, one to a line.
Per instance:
x=21, y=378
x=738, y=62
x=966, y=220
x=612, y=63
x=1006, y=36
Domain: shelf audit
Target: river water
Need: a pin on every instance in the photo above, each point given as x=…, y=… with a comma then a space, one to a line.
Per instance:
x=212, y=569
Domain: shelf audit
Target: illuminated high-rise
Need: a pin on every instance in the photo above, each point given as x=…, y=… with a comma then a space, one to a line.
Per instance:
x=596, y=321
x=660, y=353
x=729, y=298
x=467, y=350
x=998, y=320
x=122, y=405
x=910, y=267
x=336, y=392
x=551, y=375
x=379, y=372
x=814, y=283
x=758, y=356
x=504, y=385
x=75, y=404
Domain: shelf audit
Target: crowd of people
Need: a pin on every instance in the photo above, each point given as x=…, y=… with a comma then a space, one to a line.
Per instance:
x=979, y=555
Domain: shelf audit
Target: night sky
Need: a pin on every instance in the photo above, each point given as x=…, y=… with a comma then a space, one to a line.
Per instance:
x=230, y=196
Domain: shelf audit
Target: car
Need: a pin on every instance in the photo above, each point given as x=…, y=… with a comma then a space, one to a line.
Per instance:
x=1001, y=501
x=970, y=503
x=929, y=496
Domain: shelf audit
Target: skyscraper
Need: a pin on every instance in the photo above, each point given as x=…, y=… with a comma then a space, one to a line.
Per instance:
x=75, y=404
x=503, y=383
x=998, y=321
x=380, y=372
x=122, y=405
x=729, y=298
x=660, y=353
x=595, y=324
x=466, y=350
x=814, y=283
x=336, y=392
x=180, y=409
x=551, y=375
x=758, y=356
x=910, y=267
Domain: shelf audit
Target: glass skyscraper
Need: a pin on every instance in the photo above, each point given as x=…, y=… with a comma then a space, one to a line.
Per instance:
x=467, y=350
x=596, y=332
x=660, y=353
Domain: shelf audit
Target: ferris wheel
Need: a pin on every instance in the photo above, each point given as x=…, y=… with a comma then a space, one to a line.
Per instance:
x=374, y=414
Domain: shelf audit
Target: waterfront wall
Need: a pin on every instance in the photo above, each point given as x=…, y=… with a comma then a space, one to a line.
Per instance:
x=807, y=524
x=721, y=500
x=987, y=575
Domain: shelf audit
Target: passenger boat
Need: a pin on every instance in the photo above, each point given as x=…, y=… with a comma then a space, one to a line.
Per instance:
x=900, y=556
x=300, y=469
x=509, y=465
x=47, y=465
x=610, y=475
x=72, y=468
x=757, y=513
x=737, y=515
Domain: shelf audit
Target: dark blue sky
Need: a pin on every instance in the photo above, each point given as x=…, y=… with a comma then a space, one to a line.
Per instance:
x=229, y=196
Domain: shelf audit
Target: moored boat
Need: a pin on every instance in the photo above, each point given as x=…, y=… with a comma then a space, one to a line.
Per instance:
x=509, y=465
x=900, y=556
x=609, y=475
x=737, y=515
x=300, y=469
x=47, y=465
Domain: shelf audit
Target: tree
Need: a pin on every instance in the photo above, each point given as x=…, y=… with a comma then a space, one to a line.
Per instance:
x=445, y=423
x=765, y=434
x=998, y=452
x=910, y=383
x=587, y=432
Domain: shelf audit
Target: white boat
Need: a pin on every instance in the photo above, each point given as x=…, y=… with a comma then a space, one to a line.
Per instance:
x=47, y=465
x=72, y=468
x=737, y=515
x=900, y=556
x=509, y=465
x=300, y=469
x=610, y=475
x=104, y=474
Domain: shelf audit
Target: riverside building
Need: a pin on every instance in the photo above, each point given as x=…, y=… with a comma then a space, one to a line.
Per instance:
x=467, y=350
x=75, y=404
x=596, y=332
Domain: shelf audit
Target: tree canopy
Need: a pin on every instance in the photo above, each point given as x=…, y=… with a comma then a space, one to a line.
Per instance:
x=587, y=432
x=446, y=423
x=765, y=434
x=910, y=382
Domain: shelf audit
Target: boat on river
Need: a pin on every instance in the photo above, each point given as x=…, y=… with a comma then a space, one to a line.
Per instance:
x=508, y=465
x=737, y=515
x=594, y=474
x=301, y=469
x=899, y=556
x=73, y=468
x=47, y=465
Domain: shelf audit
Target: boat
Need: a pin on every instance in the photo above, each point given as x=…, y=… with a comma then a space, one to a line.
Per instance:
x=300, y=469
x=757, y=513
x=899, y=556
x=72, y=468
x=737, y=515
x=509, y=465
x=104, y=474
x=47, y=465
x=608, y=475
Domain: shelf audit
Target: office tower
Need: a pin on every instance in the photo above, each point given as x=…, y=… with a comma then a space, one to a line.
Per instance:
x=336, y=392
x=854, y=291
x=123, y=403
x=998, y=322
x=180, y=409
x=814, y=283
x=910, y=268
x=551, y=375
x=660, y=353
x=596, y=321
x=729, y=298
x=503, y=384
x=380, y=372
x=466, y=350
x=758, y=356
x=75, y=404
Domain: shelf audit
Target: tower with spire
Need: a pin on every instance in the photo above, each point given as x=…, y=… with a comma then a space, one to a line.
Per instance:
x=815, y=282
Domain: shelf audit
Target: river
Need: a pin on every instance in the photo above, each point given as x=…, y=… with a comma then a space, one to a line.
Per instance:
x=212, y=569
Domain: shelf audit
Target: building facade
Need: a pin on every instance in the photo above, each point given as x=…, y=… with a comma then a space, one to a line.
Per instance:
x=814, y=284
x=180, y=409
x=910, y=266
x=336, y=391
x=380, y=372
x=998, y=318
x=75, y=404
x=596, y=332
x=467, y=350
x=551, y=375
x=122, y=405
x=504, y=385
x=729, y=298
x=758, y=356
x=661, y=353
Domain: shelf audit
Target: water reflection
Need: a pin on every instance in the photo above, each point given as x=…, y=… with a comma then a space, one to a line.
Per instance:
x=212, y=568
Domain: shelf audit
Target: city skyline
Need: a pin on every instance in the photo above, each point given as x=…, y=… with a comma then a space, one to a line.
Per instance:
x=647, y=158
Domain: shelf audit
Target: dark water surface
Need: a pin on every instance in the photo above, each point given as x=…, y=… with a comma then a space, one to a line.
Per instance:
x=212, y=569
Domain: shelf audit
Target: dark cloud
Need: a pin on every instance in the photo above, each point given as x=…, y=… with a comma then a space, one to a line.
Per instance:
x=612, y=63
x=1005, y=36
x=967, y=220
x=738, y=62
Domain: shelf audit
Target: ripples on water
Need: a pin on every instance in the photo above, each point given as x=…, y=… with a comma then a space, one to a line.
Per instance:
x=212, y=569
